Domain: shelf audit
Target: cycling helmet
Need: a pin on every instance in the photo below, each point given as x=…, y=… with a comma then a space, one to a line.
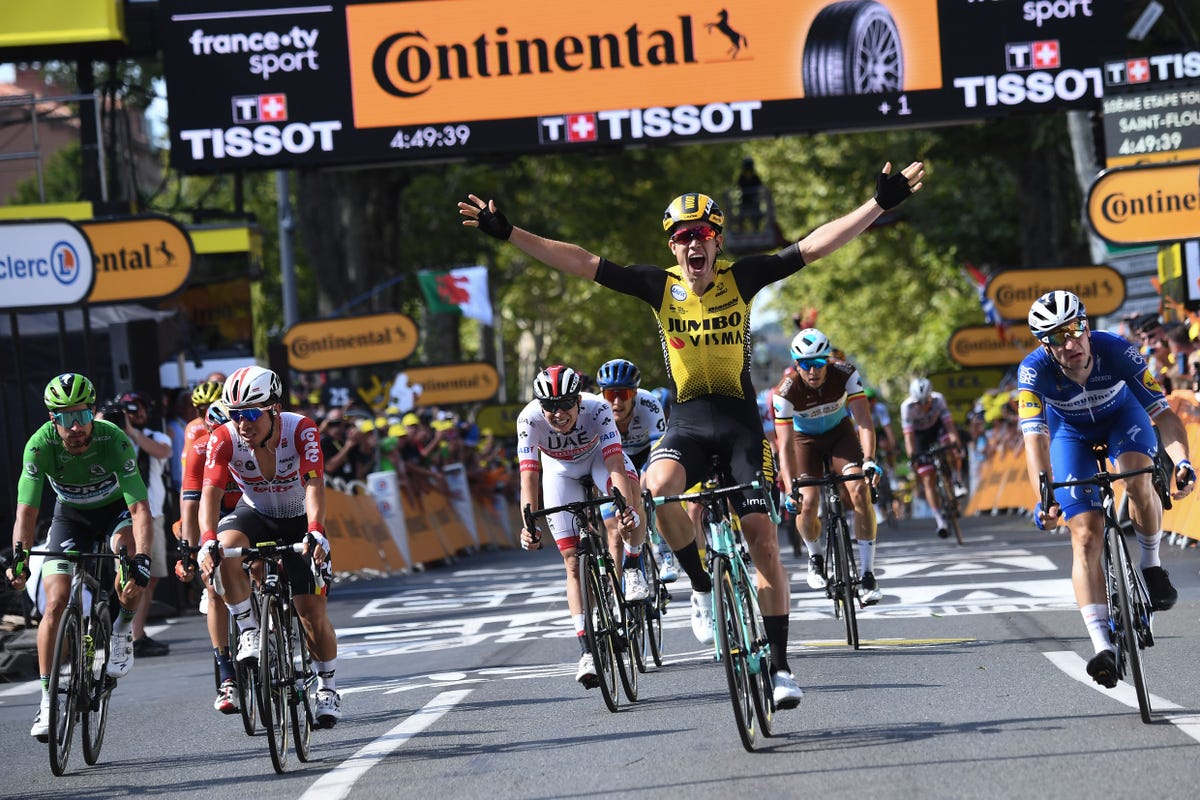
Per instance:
x=216, y=416
x=920, y=389
x=206, y=393
x=252, y=386
x=1053, y=310
x=618, y=374
x=68, y=389
x=556, y=383
x=693, y=207
x=811, y=343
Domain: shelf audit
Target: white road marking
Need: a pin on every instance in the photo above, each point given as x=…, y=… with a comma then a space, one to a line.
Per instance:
x=1075, y=667
x=338, y=782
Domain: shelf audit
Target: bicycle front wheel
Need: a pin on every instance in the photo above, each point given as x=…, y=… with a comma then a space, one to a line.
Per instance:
x=1130, y=648
x=949, y=505
x=620, y=633
x=844, y=575
x=95, y=715
x=302, y=678
x=247, y=682
x=734, y=652
x=762, y=690
x=655, y=606
x=272, y=684
x=597, y=627
x=65, y=680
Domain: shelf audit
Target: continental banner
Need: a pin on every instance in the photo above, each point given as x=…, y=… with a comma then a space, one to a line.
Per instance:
x=1101, y=288
x=982, y=346
x=141, y=258
x=1146, y=204
x=368, y=82
x=350, y=342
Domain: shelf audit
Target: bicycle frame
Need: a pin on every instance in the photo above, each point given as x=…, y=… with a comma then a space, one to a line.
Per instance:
x=944, y=485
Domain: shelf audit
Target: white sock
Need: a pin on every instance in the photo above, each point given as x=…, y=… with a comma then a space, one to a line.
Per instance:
x=938, y=518
x=242, y=615
x=866, y=555
x=325, y=670
x=1095, y=617
x=1150, y=550
x=816, y=548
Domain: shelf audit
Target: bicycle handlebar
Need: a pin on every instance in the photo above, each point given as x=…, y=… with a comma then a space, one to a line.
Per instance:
x=261, y=551
x=1103, y=479
x=576, y=508
x=831, y=479
x=707, y=494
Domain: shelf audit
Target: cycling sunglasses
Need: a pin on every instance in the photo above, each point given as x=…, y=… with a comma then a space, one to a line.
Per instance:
x=69, y=419
x=703, y=233
x=246, y=414
x=1072, y=330
x=621, y=394
x=811, y=363
x=563, y=404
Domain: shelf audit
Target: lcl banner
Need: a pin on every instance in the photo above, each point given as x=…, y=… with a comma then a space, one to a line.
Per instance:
x=286, y=84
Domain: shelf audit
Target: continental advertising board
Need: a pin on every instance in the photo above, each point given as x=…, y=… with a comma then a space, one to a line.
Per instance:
x=1146, y=204
x=286, y=84
x=1101, y=288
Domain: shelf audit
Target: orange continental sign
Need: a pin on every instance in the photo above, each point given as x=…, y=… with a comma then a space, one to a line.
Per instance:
x=981, y=346
x=141, y=258
x=1146, y=204
x=421, y=62
x=1101, y=288
x=350, y=341
x=447, y=384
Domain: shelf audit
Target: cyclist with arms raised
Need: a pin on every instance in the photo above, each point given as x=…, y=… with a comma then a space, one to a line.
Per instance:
x=820, y=411
x=926, y=422
x=564, y=435
x=702, y=306
x=275, y=458
x=1085, y=387
x=92, y=468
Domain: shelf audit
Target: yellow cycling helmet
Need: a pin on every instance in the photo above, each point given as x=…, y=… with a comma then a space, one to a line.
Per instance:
x=207, y=393
x=693, y=207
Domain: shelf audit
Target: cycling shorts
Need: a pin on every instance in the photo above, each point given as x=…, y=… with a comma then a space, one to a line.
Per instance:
x=260, y=529
x=87, y=530
x=936, y=434
x=561, y=484
x=840, y=442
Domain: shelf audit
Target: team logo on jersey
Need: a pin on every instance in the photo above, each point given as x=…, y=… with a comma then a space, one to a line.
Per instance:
x=1026, y=375
x=96, y=470
x=679, y=293
x=1150, y=382
x=129, y=467
x=31, y=469
x=1028, y=405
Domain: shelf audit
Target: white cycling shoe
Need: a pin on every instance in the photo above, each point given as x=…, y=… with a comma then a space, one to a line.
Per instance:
x=702, y=620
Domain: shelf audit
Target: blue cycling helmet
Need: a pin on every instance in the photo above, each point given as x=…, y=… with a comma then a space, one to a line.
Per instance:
x=618, y=374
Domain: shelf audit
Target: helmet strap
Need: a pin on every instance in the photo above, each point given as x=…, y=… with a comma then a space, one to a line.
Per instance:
x=270, y=431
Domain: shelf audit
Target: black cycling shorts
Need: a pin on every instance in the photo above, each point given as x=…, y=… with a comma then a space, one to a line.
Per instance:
x=261, y=529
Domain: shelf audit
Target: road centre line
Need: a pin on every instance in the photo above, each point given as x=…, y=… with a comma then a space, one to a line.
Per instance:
x=338, y=782
x=1075, y=667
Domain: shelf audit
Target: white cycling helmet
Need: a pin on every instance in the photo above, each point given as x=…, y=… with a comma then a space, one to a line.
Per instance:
x=920, y=390
x=251, y=386
x=811, y=343
x=1053, y=310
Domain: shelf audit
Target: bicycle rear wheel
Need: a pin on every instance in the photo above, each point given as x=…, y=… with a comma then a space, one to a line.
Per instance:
x=247, y=682
x=761, y=688
x=1130, y=647
x=302, y=677
x=597, y=627
x=734, y=652
x=655, y=606
x=65, y=680
x=272, y=684
x=620, y=634
x=95, y=715
x=844, y=575
x=949, y=504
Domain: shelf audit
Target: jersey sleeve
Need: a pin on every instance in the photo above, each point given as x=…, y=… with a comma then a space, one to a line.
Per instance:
x=643, y=281
x=754, y=272
x=527, y=451
x=657, y=422
x=125, y=466
x=1031, y=404
x=36, y=460
x=610, y=436
x=216, y=460
x=308, y=445
x=193, y=469
x=854, y=387
x=1142, y=382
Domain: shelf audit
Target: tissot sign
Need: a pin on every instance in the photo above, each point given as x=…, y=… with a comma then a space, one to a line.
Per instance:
x=354, y=81
x=1146, y=204
x=43, y=264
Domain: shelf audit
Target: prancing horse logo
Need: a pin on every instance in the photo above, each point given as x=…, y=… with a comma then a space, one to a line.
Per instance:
x=722, y=24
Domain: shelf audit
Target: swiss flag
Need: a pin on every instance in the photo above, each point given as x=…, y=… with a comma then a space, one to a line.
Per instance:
x=1137, y=70
x=272, y=107
x=581, y=127
x=1046, y=54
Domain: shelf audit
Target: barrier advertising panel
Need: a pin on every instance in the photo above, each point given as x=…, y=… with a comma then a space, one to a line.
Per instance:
x=43, y=264
x=288, y=84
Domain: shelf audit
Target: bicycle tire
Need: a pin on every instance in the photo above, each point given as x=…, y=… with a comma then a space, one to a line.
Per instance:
x=68, y=657
x=272, y=650
x=844, y=574
x=635, y=615
x=596, y=624
x=95, y=716
x=655, y=607
x=1130, y=647
x=733, y=652
x=762, y=689
x=301, y=680
x=949, y=501
x=619, y=633
x=247, y=682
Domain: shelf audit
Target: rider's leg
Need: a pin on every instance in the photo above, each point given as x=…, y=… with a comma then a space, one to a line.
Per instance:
x=667, y=477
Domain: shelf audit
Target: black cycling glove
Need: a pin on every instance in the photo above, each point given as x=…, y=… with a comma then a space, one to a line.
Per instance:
x=891, y=190
x=495, y=224
x=141, y=569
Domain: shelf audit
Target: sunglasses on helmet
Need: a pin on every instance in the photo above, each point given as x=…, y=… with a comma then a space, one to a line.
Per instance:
x=1058, y=337
x=812, y=363
x=68, y=419
x=562, y=404
x=701, y=233
x=246, y=414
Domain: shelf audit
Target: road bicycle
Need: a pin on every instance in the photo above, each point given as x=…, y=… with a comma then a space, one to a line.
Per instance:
x=282, y=673
x=841, y=567
x=944, y=486
x=1130, y=614
x=649, y=645
x=606, y=618
x=739, y=638
x=80, y=686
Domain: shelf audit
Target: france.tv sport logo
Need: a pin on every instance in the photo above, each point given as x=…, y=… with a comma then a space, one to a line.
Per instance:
x=63, y=264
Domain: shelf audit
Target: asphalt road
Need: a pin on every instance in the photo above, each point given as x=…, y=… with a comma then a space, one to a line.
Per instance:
x=458, y=683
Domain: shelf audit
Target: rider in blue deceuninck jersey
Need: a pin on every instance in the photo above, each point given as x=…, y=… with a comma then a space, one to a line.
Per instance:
x=1080, y=388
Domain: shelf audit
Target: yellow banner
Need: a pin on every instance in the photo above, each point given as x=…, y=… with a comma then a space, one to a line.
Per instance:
x=1146, y=205
x=138, y=259
x=47, y=22
x=350, y=341
x=981, y=346
x=1101, y=288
